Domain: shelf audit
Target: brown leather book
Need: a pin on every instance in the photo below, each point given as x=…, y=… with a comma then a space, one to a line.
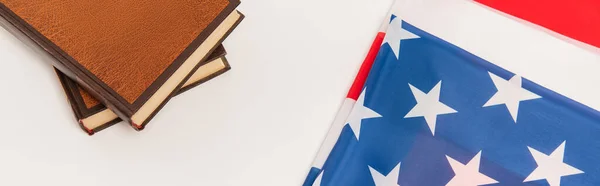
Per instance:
x=93, y=116
x=132, y=55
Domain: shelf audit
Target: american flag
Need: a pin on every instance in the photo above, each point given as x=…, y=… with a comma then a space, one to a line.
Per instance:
x=462, y=95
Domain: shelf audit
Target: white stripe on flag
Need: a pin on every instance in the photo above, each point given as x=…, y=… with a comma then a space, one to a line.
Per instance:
x=386, y=22
x=342, y=115
x=334, y=132
x=551, y=62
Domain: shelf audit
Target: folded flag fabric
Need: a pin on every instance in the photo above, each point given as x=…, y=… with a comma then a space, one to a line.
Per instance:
x=460, y=95
x=350, y=100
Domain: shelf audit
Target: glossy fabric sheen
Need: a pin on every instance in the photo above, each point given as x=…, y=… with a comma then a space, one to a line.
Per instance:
x=127, y=44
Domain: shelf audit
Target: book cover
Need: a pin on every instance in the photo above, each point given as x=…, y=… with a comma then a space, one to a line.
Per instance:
x=93, y=116
x=132, y=57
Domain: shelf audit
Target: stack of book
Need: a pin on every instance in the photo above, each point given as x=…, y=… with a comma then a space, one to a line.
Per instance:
x=122, y=60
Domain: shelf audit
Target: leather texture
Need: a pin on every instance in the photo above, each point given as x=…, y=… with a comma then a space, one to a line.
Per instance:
x=127, y=44
x=88, y=99
x=91, y=102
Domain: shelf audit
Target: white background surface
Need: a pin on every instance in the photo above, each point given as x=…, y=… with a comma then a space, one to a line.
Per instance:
x=259, y=124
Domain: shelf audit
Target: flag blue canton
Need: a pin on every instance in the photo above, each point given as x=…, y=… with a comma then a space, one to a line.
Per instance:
x=543, y=139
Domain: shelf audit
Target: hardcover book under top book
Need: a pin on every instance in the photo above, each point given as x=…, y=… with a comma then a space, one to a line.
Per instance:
x=132, y=55
x=93, y=117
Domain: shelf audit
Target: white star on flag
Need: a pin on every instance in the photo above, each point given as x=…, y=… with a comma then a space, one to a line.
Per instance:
x=317, y=181
x=395, y=34
x=428, y=105
x=391, y=179
x=551, y=167
x=510, y=93
x=360, y=112
x=468, y=175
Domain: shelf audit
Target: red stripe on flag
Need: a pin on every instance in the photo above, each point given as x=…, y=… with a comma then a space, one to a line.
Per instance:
x=365, y=68
x=577, y=19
